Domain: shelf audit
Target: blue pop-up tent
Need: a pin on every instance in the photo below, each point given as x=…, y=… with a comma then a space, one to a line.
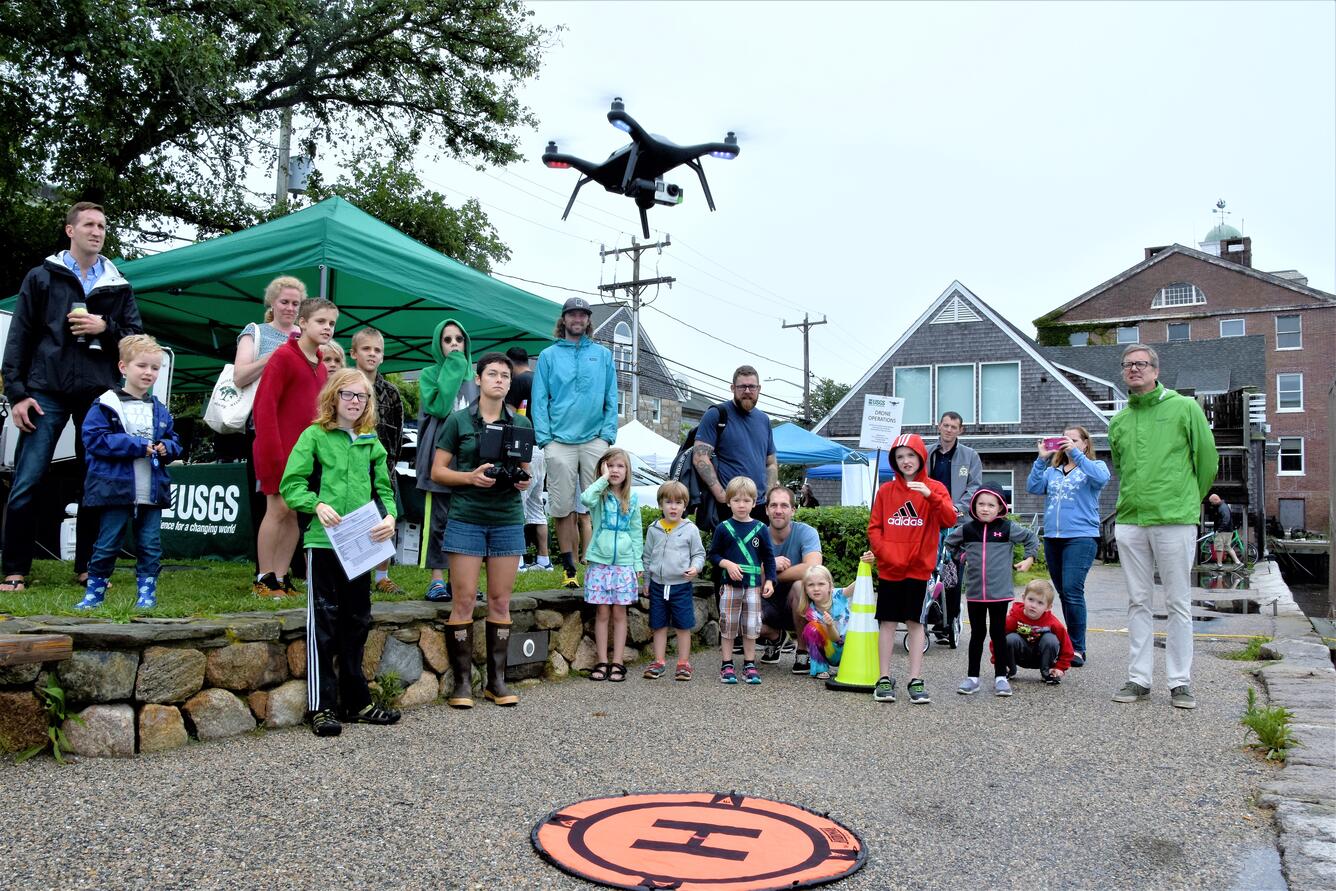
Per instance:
x=794, y=445
x=836, y=471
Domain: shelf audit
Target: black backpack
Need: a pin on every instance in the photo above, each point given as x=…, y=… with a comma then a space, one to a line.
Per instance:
x=684, y=471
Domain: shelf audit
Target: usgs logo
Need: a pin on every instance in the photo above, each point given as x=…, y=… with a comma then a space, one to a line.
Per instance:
x=197, y=502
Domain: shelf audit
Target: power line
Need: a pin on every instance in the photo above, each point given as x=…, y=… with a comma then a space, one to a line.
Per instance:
x=520, y=278
x=724, y=342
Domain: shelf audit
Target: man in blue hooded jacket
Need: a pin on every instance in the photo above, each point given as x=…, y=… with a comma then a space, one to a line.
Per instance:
x=574, y=413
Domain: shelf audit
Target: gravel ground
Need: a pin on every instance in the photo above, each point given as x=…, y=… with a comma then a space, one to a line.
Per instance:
x=1055, y=787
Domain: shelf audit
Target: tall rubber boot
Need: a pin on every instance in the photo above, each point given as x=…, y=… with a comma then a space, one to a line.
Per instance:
x=459, y=646
x=498, y=642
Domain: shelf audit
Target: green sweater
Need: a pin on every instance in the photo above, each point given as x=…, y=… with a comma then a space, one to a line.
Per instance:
x=340, y=466
x=1165, y=455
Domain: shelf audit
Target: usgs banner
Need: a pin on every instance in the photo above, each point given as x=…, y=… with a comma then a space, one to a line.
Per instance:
x=210, y=513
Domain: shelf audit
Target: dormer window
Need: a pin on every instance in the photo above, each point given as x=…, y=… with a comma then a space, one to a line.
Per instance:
x=1178, y=294
x=621, y=347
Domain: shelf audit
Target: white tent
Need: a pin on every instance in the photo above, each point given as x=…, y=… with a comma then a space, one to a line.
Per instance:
x=647, y=445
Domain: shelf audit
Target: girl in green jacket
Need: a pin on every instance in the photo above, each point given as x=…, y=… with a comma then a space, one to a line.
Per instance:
x=338, y=466
x=613, y=561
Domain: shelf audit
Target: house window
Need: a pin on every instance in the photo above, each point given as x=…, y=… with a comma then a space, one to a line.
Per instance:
x=1291, y=513
x=1078, y=338
x=1291, y=461
x=1289, y=333
x=955, y=391
x=1232, y=328
x=1177, y=294
x=913, y=384
x=656, y=409
x=623, y=403
x=1289, y=392
x=1002, y=479
x=1129, y=335
x=621, y=346
x=1178, y=331
x=1000, y=393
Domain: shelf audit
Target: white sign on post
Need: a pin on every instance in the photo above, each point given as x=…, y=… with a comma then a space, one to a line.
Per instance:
x=881, y=421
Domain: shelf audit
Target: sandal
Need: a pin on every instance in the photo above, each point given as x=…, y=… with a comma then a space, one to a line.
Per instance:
x=822, y=675
x=617, y=672
x=599, y=672
x=13, y=586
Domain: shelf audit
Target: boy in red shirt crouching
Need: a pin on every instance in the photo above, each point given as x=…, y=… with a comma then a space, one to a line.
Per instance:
x=1035, y=637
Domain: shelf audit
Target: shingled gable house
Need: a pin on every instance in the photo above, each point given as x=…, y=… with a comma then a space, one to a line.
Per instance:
x=660, y=398
x=961, y=355
x=1179, y=296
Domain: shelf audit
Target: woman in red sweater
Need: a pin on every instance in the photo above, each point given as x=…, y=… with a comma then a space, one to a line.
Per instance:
x=285, y=405
x=906, y=523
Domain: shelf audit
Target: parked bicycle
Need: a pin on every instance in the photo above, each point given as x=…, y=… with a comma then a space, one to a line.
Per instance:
x=1207, y=553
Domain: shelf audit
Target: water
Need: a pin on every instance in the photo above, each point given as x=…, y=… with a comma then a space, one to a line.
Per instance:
x=1313, y=599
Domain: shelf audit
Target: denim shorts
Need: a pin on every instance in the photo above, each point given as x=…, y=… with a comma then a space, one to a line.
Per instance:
x=679, y=605
x=473, y=540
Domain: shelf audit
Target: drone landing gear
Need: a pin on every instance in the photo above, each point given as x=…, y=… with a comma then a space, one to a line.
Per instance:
x=571, y=203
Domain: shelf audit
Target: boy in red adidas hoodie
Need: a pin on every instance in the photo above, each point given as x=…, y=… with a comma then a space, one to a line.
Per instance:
x=907, y=518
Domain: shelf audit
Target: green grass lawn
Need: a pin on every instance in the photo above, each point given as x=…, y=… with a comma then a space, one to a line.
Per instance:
x=205, y=588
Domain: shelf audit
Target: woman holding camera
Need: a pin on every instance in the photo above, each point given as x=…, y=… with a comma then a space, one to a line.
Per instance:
x=1070, y=478
x=486, y=523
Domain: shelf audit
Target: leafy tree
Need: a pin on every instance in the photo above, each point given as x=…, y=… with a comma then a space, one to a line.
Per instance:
x=159, y=108
x=825, y=395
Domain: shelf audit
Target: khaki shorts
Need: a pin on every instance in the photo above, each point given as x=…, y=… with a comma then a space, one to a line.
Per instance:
x=535, y=512
x=570, y=470
x=1223, y=540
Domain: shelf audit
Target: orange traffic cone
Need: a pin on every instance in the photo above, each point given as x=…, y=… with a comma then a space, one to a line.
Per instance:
x=858, y=664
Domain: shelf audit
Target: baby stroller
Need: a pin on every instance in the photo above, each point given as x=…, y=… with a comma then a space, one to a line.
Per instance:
x=935, y=615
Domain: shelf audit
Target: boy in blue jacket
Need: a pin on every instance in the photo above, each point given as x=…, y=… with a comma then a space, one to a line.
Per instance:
x=128, y=441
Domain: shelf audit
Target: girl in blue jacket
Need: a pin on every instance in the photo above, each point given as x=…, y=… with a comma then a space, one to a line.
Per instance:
x=1071, y=480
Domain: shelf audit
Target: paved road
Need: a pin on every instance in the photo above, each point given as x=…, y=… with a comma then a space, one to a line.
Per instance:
x=1053, y=788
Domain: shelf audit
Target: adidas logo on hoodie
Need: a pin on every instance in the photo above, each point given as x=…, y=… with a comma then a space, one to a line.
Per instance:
x=905, y=516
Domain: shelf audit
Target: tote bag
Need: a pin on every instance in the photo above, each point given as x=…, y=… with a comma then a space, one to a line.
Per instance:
x=229, y=405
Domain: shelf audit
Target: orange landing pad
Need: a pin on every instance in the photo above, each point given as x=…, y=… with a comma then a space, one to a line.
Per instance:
x=694, y=841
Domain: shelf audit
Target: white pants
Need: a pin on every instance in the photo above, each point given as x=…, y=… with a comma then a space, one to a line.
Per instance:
x=1140, y=550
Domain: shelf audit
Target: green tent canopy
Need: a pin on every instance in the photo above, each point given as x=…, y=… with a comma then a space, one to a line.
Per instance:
x=197, y=298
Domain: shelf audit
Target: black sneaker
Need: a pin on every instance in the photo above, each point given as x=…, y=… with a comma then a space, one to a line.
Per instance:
x=770, y=655
x=802, y=664
x=373, y=714
x=737, y=647
x=884, y=691
x=789, y=645
x=323, y=723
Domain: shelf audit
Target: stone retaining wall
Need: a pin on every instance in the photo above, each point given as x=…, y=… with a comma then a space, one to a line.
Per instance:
x=154, y=684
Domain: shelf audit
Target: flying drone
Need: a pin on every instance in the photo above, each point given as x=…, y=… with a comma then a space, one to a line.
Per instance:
x=637, y=170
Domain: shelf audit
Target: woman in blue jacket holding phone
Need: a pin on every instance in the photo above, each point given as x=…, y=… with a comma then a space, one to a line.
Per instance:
x=1070, y=478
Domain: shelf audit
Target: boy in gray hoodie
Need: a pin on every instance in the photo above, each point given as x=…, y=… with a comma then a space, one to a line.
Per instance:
x=673, y=557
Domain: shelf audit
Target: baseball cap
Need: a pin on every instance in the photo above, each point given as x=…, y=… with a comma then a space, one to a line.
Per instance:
x=576, y=304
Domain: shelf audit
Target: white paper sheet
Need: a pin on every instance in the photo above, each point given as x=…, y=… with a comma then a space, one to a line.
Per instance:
x=352, y=542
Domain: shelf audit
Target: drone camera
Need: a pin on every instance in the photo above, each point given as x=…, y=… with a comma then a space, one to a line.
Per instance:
x=667, y=193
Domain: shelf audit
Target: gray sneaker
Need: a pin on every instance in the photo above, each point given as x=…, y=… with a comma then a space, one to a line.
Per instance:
x=1001, y=687
x=1181, y=697
x=1131, y=692
x=918, y=692
x=968, y=687
x=884, y=691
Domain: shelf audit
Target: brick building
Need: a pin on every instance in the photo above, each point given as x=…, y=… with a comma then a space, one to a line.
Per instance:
x=1178, y=294
x=660, y=397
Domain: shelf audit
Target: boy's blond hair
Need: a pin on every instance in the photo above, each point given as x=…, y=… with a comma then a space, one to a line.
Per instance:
x=673, y=491
x=367, y=334
x=1044, y=588
x=138, y=344
x=327, y=403
x=740, y=485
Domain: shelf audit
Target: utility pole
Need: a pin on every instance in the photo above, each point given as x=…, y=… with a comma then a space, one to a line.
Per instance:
x=807, y=371
x=634, y=289
x=284, y=155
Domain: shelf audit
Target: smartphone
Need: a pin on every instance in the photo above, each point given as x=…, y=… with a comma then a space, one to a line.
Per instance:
x=1053, y=443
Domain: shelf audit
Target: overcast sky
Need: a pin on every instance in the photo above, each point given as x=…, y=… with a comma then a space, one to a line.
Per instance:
x=1029, y=150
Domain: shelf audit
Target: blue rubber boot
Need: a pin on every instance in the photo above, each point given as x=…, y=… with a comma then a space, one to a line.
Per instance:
x=147, y=586
x=95, y=589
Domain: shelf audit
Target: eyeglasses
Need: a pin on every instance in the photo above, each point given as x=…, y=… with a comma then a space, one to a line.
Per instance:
x=748, y=388
x=350, y=396
x=1138, y=365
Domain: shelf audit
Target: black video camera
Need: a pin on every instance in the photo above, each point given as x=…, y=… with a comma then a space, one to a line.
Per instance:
x=506, y=447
